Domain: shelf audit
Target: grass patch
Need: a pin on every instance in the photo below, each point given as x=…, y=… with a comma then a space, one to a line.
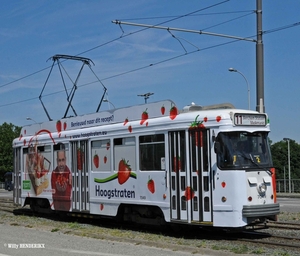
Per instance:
x=74, y=225
x=54, y=229
x=240, y=249
x=258, y=251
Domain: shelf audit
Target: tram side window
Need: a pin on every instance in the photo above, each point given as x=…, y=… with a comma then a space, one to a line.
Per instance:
x=152, y=151
x=124, y=153
x=101, y=155
x=37, y=159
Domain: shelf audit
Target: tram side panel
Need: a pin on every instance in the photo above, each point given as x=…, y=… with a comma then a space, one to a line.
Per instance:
x=228, y=199
x=128, y=174
x=44, y=181
x=36, y=164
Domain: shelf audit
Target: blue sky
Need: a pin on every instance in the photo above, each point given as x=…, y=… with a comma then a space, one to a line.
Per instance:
x=33, y=31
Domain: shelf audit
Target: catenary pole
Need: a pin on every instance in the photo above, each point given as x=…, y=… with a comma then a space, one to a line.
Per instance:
x=259, y=50
x=260, y=100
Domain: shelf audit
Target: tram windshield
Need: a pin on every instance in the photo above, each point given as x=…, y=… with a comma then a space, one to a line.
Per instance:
x=243, y=150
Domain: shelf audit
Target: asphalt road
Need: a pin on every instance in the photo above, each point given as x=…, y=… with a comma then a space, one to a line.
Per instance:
x=289, y=204
x=18, y=240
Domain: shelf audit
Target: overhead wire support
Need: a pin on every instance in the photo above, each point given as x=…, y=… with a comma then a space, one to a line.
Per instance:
x=118, y=22
x=60, y=66
x=177, y=38
x=146, y=96
x=70, y=95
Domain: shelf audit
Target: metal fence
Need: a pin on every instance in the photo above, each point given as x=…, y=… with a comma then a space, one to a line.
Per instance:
x=286, y=186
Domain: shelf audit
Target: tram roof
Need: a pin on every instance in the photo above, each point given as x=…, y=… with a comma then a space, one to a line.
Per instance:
x=121, y=115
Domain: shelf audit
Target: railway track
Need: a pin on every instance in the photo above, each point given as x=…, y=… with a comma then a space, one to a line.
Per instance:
x=264, y=238
x=289, y=240
x=283, y=225
x=7, y=205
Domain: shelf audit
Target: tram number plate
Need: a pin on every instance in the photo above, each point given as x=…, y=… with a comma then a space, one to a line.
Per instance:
x=250, y=119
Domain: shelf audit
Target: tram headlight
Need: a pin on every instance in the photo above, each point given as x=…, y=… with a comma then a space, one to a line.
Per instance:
x=262, y=188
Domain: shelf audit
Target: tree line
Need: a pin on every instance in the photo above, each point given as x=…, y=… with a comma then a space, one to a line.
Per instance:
x=8, y=132
x=280, y=159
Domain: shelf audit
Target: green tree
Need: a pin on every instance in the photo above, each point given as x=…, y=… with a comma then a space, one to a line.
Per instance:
x=280, y=159
x=8, y=132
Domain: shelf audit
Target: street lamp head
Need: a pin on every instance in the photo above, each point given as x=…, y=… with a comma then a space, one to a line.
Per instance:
x=30, y=119
x=106, y=100
x=248, y=88
x=286, y=139
x=232, y=70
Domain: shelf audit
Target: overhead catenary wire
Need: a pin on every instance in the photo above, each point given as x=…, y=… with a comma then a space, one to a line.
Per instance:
x=130, y=71
x=118, y=38
x=140, y=68
x=152, y=64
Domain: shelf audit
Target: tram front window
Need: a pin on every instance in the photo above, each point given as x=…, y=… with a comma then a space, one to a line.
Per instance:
x=236, y=150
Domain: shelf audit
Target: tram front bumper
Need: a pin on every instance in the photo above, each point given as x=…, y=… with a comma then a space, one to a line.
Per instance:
x=261, y=210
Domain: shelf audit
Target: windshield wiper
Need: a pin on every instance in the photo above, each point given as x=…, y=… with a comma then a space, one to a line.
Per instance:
x=258, y=165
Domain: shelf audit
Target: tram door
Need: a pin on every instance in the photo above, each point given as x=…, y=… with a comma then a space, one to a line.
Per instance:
x=80, y=196
x=189, y=154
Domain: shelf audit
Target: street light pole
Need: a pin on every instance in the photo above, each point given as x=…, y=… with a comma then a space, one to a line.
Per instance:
x=289, y=162
x=235, y=70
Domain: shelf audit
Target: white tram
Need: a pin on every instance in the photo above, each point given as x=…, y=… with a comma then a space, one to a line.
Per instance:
x=151, y=164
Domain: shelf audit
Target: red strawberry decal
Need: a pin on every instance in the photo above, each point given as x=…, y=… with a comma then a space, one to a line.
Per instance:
x=162, y=110
x=107, y=146
x=105, y=159
x=189, y=193
x=151, y=185
x=126, y=121
x=96, y=160
x=173, y=112
x=194, y=125
x=65, y=126
x=79, y=159
x=58, y=126
x=205, y=119
x=218, y=118
x=175, y=166
x=201, y=126
x=123, y=171
x=144, y=117
x=178, y=163
x=130, y=128
x=101, y=207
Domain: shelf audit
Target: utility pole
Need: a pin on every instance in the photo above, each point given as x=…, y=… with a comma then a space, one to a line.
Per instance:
x=260, y=98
